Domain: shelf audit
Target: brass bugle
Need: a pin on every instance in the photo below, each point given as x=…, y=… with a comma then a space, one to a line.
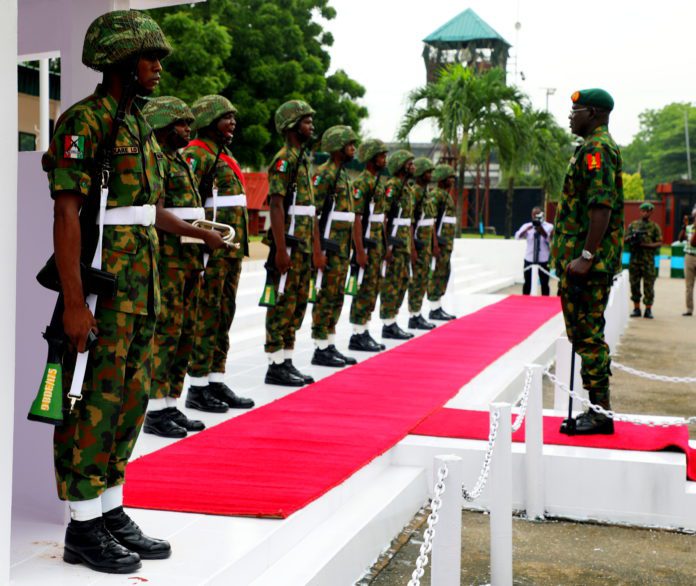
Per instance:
x=225, y=230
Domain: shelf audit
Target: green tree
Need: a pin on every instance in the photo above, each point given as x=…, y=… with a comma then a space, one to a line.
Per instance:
x=633, y=187
x=280, y=53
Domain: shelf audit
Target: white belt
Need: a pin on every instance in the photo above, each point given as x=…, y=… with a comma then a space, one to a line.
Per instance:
x=302, y=210
x=187, y=213
x=376, y=218
x=449, y=220
x=343, y=217
x=402, y=222
x=226, y=201
x=130, y=216
x=425, y=223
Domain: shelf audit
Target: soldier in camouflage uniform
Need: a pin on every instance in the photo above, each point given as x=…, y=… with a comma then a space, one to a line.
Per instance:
x=644, y=238
x=425, y=243
x=289, y=177
x=94, y=443
x=368, y=187
x=221, y=184
x=400, y=247
x=586, y=250
x=334, y=198
x=180, y=267
x=445, y=227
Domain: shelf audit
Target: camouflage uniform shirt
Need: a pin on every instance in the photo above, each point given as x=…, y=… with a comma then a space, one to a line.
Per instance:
x=651, y=234
x=401, y=194
x=327, y=180
x=423, y=208
x=367, y=185
x=442, y=197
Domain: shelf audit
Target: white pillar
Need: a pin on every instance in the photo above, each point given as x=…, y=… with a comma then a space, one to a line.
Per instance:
x=447, y=546
x=44, y=94
x=534, y=442
x=535, y=280
x=500, y=486
x=560, y=397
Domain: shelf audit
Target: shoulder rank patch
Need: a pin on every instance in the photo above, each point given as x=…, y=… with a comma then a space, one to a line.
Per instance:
x=281, y=166
x=74, y=147
x=128, y=150
x=317, y=180
x=594, y=161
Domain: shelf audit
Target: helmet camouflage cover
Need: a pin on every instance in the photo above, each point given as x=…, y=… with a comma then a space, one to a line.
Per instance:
x=398, y=159
x=371, y=148
x=290, y=113
x=117, y=36
x=423, y=165
x=336, y=137
x=208, y=109
x=442, y=172
x=165, y=110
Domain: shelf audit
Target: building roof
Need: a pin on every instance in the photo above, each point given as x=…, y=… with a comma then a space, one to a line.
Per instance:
x=465, y=27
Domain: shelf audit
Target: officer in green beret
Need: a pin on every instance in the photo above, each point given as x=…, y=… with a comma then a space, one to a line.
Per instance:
x=587, y=245
x=93, y=444
x=643, y=240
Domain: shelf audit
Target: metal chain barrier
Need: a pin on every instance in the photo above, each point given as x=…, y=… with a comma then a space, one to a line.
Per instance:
x=676, y=421
x=522, y=400
x=483, y=476
x=429, y=534
x=657, y=377
x=543, y=270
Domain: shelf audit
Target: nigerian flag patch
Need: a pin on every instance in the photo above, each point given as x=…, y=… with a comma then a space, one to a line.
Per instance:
x=317, y=180
x=281, y=166
x=74, y=147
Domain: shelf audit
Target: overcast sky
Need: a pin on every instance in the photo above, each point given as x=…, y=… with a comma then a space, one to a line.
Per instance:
x=642, y=52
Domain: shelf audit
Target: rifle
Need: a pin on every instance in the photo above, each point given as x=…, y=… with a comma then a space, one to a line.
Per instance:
x=391, y=241
x=417, y=217
x=325, y=220
x=205, y=186
x=356, y=271
x=441, y=209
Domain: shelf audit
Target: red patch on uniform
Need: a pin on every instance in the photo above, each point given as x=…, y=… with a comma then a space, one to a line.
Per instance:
x=594, y=161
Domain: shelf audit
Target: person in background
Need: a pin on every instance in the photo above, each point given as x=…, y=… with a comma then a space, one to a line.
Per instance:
x=538, y=235
x=688, y=233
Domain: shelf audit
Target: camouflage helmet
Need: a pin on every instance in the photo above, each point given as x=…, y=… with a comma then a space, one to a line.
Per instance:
x=117, y=36
x=208, y=109
x=398, y=159
x=290, y=113
x=336, y=137
x=165, y=110
x=423, y=165
x=371, y=148
x=442, y=172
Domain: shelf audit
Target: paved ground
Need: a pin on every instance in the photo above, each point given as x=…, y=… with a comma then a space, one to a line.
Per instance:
x=584, y=554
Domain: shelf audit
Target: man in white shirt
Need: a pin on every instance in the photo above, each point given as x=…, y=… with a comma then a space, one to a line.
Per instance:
x=538, y=236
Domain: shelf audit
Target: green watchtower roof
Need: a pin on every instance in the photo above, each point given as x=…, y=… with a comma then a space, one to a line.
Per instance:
x=463, y=28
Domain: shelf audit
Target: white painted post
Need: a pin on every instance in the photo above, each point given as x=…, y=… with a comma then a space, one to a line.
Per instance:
x=612, y=320
x=447, y=545
x=534, y=443
x=500, y=482
x=535, y=280
x=44, y=95
x=560, y=397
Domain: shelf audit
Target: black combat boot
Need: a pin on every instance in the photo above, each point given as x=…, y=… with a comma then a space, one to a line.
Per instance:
x=326, y=357
x=394, y=332
x=287, y=363
x=89, y=543
x=417, y=322
x=201, y=398
x=363, y=343
x=278, y=374
x=349, y=360
x=160, y=423
x=129, y=535
x=381, y=346
x=647, y=314
x=440, y=314
x=226, y=395
x=188, y=424
x=636, y=312
x=591, y=423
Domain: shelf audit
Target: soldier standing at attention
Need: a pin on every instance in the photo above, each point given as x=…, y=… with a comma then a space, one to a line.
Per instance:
x=399, y=198
x=289, y=177
x=334, y=199
x=95, y=441
x=587, y=244
x=368, y=187
x=424, y=242
x=644, y=238
x=445, y=227
x=180, y=267
x=221, y=184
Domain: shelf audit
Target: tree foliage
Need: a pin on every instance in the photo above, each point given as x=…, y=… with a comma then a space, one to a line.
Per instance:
x=259, y=54
x=633, y=187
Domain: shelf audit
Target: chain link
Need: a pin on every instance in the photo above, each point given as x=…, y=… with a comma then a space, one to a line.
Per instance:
x=429, y=534
x=658, y=377
x=676, y=421
x=523, y=399
x=485, y=469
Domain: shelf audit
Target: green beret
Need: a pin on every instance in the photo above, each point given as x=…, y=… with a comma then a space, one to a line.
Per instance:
x=647, y=206
x=593, y=97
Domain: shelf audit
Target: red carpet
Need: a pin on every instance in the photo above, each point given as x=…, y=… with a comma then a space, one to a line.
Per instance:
x=278, y=458
x=462, y=424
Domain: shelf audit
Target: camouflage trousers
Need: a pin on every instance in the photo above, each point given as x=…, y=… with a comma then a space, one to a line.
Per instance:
x=419, y=279
x=174, y=331
x=283, y=320
x=217, y=302
x=393, y=287
x=365, y=299
x=437, y=284
x=92, y=446
x=644, y=270
x=327, y=308
x=583, y=312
